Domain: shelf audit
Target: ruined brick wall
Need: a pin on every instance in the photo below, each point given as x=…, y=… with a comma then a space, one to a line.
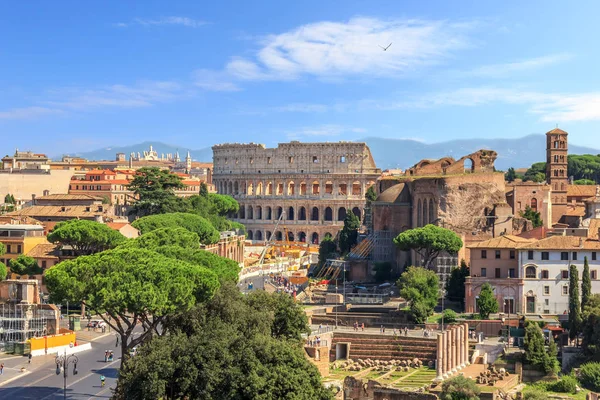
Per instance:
x=481, y=161
x=358, y=389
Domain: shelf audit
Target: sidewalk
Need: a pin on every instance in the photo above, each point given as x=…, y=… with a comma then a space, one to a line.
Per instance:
x=13, y=365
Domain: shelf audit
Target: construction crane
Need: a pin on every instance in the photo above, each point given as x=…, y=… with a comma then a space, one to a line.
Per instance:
x=270, y=241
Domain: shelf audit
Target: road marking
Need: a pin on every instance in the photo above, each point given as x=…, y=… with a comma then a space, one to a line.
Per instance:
x=80, y=379
x=14, y=378
x=99, y=393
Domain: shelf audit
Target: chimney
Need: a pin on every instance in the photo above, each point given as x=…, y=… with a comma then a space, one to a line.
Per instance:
x=33, y=199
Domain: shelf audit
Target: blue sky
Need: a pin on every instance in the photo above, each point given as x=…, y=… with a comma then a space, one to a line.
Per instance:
x=76, y=76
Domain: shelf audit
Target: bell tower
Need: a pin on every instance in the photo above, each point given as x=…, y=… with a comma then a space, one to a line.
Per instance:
x=556, y=171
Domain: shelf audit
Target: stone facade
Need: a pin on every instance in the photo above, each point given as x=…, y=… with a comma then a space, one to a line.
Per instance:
x=556, y=171
x=313, y=185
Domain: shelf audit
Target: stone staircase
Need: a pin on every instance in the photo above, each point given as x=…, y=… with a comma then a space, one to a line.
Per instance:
x=382, y=347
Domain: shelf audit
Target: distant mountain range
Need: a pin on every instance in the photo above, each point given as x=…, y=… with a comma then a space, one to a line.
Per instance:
x=393, y=153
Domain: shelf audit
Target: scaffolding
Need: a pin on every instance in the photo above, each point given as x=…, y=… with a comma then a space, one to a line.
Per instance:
x=383, y=246
x=19, y=322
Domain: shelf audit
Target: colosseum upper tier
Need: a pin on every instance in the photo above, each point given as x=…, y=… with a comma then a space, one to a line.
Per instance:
x=313, y=185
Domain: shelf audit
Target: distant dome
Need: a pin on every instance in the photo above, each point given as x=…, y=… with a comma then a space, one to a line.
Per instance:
x=396, y=194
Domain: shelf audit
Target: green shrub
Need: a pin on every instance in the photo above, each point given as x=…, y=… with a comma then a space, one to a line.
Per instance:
x=449, y=316
x=589, y=375
x=567, y=384
x=535, y=394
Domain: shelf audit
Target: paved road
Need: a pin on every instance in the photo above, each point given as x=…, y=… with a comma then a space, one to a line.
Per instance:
x=42, y=383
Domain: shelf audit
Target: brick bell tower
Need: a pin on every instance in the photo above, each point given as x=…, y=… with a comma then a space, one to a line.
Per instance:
x=556, y=171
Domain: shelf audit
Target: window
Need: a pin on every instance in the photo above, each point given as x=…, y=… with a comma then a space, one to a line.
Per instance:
x=19, y=249
x=593, y=256
x=291, y=159
x=546, y=290
x=511, y=272
x=497, y=273
x=530, y=255
x=497, y=254
x=483, y=253
x=564, y=255
x=512, y=254
x=547, y=302
x=268, y=160
x=44, y=264
x=545, y=255
x=594, y=274
x=315, y=159
x=564, y=274
x=343, y=159
x=565, y=290
x=574, y=255
x=8, y=248
x=530, y=272
x=544, y=274
x=483, y=272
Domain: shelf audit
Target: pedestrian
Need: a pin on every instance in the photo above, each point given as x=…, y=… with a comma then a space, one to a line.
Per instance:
x=1, y=368
x=363, y=326
x=105, y=355
x=355, y=326
x=117, y=344
x=406, y=331
x=29, y=358
x=383, y=329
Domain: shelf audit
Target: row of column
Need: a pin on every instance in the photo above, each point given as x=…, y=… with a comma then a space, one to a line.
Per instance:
x=452, y=350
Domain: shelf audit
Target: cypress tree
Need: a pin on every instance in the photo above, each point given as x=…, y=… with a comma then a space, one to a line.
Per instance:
x=586, y=285
x=574, y=304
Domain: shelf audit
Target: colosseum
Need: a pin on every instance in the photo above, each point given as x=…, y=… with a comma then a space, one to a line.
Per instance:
x=312, y=186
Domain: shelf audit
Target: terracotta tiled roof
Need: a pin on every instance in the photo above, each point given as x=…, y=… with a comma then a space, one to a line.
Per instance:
x=575, y=211
x=557, y=130
x=69, y=197
x=116, y=225
x=44, y=250
x=501, y=242
x=593, y=228
x=56, y=211
x=101, y=172
x=196, y=164
x=563, y=243
x=581, y=191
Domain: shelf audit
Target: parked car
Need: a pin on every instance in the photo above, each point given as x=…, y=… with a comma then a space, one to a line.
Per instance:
x=96, y=323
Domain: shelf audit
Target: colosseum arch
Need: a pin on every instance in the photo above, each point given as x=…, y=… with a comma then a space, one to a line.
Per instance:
x=250, y=235
x=268, y=213
x=343, y=189
x=236, y=188
x=328, y=187
x=291, y=189
x=258, y=235
x=269, y=188
x=250, y=212
x=314, y=216
x=314, y=239
x=259, y=189
x=259, y=212
x=279, y=236
x=356, y=189
x=250, y=191
x=268, y=235
x=290, y=236
x=302, y=237
x=290, y=214
x=328, y=214
x=341, y=214
x=302, y=214
x=356, y=211
x=243, y=187
x=242, y=211
x=230, y=189
x=279, y=212
x=280, y=189
x=315, y=188
x=302, y=188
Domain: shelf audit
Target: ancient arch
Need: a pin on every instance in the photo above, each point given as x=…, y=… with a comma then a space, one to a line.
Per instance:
x=356, y=211
x=242, y=211
x=534, y=204
x=230, y=191
x=315, y=214
x=315, y=188
x=279, y=212
x=280, y=189
x=250, y=212
x=259, y=189
x=301, y=236
x=343, y=189
x=290, y=214
x=328, y=187
x=425, y=215
x=314, y=238
x=236, y=188
x=469, y=165
x=290, y=236
x=268, y=235
x=278, y=236
x=356, y=190
x=341, y=214
x=250, y=235
x=269, y=189
x=259, y=212
x=269, y=215
x=328, y=214
x=302, y=188
x=302, y=214
x=258, y=235
x=250, y=191
x=291, y=190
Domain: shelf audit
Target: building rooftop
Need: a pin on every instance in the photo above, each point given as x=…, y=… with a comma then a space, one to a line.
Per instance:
x=20, y=227
x=581, y=190
x=557, y=131
x=58, y=211
x=44, y=250
x=501, y=242
x=396, y=194
x=67, y=197
x=562, y=243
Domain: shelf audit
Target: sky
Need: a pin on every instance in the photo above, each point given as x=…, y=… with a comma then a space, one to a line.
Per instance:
x=77, y=76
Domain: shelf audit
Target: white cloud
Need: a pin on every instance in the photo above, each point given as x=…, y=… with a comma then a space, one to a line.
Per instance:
x=183, y=21
x=551, y=107
x=214, y=81
x=333, y=49
x=27, y=112
x=500, y=70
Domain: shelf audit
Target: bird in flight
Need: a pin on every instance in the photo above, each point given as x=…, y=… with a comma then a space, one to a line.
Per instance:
x=385, y=48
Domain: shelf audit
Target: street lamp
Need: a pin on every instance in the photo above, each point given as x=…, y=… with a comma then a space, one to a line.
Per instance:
x=63, y=362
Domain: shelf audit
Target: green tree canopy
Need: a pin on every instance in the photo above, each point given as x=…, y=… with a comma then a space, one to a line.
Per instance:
x=154, y=189
x=226, y=349
x=455, y=285
x=574, y=303
x=3, y=270
x=537, y=173
x=203, y=189
x=130, y=285
x=349, y=234
x=289, y=321
x=591, y=328
x=25, y=265
x=510, y=175
x=327, y=249
x=166, y=237
x=192, y=222
x=428, y=242
x=535, y=350
x=370, y=195
x=420, y=288
x=85, y=237
x=586, y=285
x=584, y=182
x=487, y=302
x=225, y=268
x=533, y=216
x=459, y=388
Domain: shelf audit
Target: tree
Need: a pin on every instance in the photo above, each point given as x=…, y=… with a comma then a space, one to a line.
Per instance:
x=203, y=190
x=428, y=242
x=224, y=349
x=180, y=237
x=370, y=195
x=537, y=173
x=459, y=388
x=3, y=270
x=349, y=233
x=584, y=182
x=383, y=271
x=455, y=285
x=486, y=302
x=85, y=237
x=131, y=284
x=586, y=285
x=510, y=175
x=574, y=304
x=591, y=328
x=533, y=216
x=535, y=350
x=327, y=249
x=25, y=265
x=420, y=288
x=589, y=375
x=192, y=222
x=225, y=268
x=9, y=199
x=289, y=320
x=155, y=191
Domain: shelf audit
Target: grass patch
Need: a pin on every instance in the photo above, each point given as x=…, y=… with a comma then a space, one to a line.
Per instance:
x=540, y=386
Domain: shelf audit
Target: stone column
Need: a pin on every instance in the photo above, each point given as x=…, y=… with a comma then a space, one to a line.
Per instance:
x=446, y=353
x=454, y=352
x=461, y=348
x=439, y=362
x=466, y=339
